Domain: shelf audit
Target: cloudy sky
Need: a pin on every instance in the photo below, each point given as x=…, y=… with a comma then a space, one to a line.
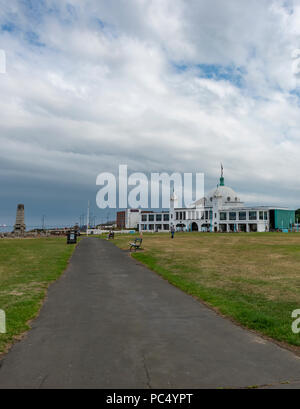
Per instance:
x=159, y=85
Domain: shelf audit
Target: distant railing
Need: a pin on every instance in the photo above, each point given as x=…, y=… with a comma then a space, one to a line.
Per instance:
x=98, y=231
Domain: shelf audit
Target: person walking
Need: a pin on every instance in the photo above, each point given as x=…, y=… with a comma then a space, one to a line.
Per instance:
x=172, y=232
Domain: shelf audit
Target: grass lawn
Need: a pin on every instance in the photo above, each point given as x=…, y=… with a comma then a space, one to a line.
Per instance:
x=27, y=267
x=253, y=278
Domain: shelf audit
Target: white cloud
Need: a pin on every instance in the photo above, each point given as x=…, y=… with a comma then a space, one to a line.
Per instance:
x=122, y=84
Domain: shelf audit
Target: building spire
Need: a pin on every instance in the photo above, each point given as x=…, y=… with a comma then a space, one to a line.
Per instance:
x=222, y=180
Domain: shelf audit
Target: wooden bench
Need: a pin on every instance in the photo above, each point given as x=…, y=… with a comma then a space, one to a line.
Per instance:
x=136, y=245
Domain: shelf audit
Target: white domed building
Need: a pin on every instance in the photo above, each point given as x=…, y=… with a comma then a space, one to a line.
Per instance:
x=221, y=210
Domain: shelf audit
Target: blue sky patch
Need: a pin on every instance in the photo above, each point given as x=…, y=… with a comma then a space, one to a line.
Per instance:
x=9, y=27
x=35, y=10
x=296, y=93
x=215, y=71
x=33, y=39
x=107, y=28
x=219, y=72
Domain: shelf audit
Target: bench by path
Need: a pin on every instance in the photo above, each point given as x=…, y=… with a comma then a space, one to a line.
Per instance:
x=109, y=322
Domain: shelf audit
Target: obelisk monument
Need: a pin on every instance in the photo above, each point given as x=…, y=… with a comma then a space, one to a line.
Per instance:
x=20, y=226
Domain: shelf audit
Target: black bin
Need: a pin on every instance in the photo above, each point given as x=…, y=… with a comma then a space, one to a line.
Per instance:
x=72, y=237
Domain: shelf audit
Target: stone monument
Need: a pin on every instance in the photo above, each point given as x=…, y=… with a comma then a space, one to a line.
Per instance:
x=20, y=227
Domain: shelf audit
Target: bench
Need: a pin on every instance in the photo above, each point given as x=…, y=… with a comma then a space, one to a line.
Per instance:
x=111, y=235
x=136, y=245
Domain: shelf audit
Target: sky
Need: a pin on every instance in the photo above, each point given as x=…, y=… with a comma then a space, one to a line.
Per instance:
x=158, y=85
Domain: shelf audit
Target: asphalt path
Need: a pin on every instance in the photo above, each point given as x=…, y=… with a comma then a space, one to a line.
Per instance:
x=110, y=322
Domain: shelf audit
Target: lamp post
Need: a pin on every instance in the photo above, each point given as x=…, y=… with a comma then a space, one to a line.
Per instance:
x=88, y=219
x=43, y=222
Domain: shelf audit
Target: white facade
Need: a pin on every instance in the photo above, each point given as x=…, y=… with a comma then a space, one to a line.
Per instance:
x=132, y=218
x=155, y=221
x=128, y=219
x=219, y=211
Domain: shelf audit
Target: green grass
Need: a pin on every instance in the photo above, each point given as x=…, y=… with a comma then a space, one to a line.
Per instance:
x=252, y=278
x=27, y=267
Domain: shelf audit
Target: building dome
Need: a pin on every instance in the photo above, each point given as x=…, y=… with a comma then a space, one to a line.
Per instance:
x=224, y=193
x=227, y=194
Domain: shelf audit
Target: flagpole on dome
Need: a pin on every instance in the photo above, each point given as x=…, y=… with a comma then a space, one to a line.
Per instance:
x=222, y=180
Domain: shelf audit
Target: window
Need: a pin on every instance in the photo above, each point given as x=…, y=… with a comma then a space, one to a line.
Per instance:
x=228, y=199
x=261, y=215
x=151, y=226
x=158, y=217
x=144, y=217
x=206, y=214
x=166, y=227
x=166, y=217
x=177, y=216
x=252, y=215
x=184, y=216
x=266, y=215
x=151, y=218
x=158, y=227
x=232, y=216
x=223, y=216
x=242, y=216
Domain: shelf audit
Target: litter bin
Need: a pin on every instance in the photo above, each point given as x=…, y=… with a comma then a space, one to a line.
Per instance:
x=72, y=237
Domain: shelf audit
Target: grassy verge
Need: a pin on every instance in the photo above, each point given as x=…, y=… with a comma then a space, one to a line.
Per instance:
x=27, y=267
x=252, y=278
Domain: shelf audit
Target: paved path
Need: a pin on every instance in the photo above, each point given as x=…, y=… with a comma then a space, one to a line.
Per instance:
x=111, y=323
